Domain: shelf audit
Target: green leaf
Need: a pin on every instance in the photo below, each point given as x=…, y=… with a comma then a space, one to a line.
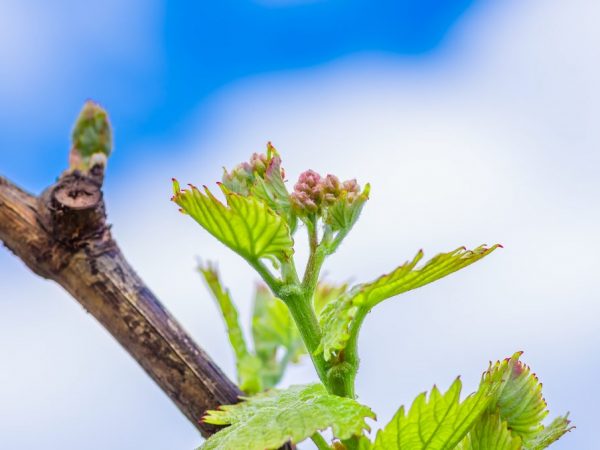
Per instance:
x=248, y=365
x=336, y=317
x=246, y=225
x=333, y=307
x=326, y=293
x=268, y=420
x=518, y=409
x=262, y=177
x=271, y=188
x=250, y=374
x=343, y=214
x=406, y=277
x=553, y=432
x=521, y=405
x=437, y=423
x=520, y=402
x=335, y=320
x=491, y=433
x=503, y=414
x=277, y=340
x=227, y=308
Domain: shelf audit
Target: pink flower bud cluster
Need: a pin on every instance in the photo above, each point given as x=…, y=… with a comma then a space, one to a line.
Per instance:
x=312, y=193
x=307, y=195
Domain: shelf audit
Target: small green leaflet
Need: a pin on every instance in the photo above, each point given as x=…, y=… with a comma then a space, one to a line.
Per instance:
x=437, y=423
x=273, y=329
x=513, y=420
x=490, y=433
x=272, y=190
x=326, y=293
x=553, y=432
x=227, y=308
x=343, y=214
x=277, y=341
x=248, y=365
x=521, y=403
x=336, y=317
x=270, y=419
x=246, y=225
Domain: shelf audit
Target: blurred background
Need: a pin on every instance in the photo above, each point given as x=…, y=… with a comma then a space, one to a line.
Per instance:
x=476, y=121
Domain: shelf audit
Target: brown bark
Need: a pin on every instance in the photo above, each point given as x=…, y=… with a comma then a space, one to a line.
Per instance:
x=62, y=235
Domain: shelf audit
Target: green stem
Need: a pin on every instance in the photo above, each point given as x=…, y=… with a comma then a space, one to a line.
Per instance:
x=302, y=311
x=320, y=442
x=288, y=271
x=318, y=253
x=271, y=281
x=313, y=269
x=340, y=379
x=352, y=443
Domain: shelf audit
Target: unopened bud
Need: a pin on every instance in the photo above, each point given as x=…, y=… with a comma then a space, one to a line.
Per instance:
x=352, y=190
x=91, y=138
x=303, y=203
x=331, y=189
x=92, y=132
x=308, y=192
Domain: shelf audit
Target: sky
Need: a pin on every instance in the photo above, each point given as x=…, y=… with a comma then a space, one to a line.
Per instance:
x=474, y=121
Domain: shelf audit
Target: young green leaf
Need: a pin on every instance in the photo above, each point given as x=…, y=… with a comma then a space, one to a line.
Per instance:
x=521, y=405
x=406, y=277
x=246, y=225
x=345, y=211
x=437, y=423
x=336, y=317
x=520, y=402
x=326, y=293
x=271, y=188
x=490, y=433
x=335, y=320
x=248, y=365
x=277, y=340
x=263, y=177
x=553, y=432
x=227, y=308
x=268, y=420
x=514, y=416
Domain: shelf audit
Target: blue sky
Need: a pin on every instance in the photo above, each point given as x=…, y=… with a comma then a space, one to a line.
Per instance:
x=474, y=121
x=152, y=64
